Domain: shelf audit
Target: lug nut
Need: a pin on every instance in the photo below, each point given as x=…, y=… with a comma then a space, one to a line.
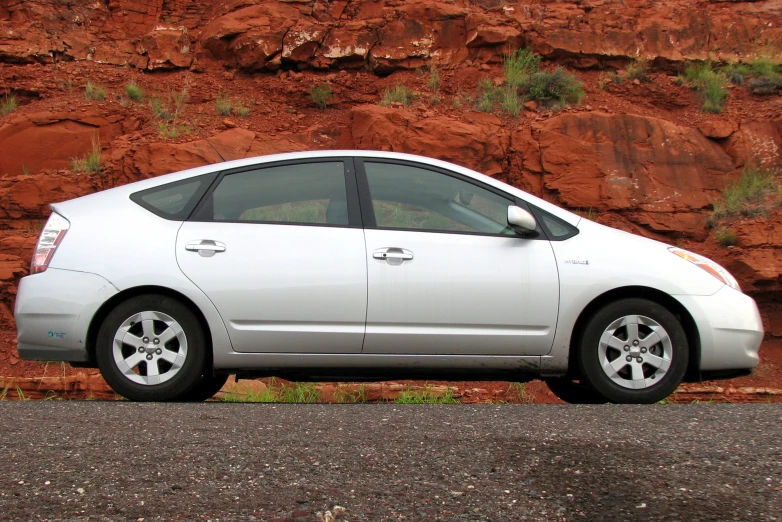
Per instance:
x=158, y=351
x=628, y=358
x=635, y=343
x=145, y=339
x=149, y=356
x=627, y=348
x=643, y=350
x=140, y=349
x=156, y=341
x=640, y=360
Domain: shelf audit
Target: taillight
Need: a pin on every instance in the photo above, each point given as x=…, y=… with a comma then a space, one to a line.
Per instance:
x=51, y=237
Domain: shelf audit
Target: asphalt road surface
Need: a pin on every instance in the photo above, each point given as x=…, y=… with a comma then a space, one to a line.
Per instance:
x=216, y=461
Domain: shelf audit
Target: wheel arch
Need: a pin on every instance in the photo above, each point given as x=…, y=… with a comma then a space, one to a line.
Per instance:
x=124, y=295
x=643, y=292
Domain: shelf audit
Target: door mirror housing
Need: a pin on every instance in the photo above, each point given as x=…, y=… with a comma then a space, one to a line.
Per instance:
x=521, y=220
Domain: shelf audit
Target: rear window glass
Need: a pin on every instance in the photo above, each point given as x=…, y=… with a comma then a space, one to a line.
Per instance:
x=175, y=200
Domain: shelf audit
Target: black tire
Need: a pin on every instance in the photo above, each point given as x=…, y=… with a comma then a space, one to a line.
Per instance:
x=573, y=392
x=656, y=383
x=206, y=388
x=193, y=345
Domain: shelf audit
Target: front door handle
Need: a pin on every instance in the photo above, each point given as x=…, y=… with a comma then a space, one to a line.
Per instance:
x=205, y=247
x=393, y=255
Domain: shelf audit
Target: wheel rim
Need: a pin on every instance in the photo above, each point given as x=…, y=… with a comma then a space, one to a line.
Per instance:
x=635, y=352
x=150, y=348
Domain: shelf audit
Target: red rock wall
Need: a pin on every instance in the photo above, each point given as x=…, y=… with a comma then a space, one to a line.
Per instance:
x=642, y=156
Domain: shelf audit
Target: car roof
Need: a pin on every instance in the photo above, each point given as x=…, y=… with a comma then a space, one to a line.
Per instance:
x=126, y=190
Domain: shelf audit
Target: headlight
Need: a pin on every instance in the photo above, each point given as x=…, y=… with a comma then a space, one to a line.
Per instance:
x=708, y=265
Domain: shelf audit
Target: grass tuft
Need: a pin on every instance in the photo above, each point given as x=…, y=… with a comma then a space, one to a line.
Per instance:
x=397, y=94
x=223, y=105
x=134, y=92
x=296, y=392
x=9, y=105
x=754, y=193
x=711, y=84
x=321, y=95
x=638, y=70
x=425, y=396
x=519, y=66
x=90, y=163
x=93, y=92
x=433, y=80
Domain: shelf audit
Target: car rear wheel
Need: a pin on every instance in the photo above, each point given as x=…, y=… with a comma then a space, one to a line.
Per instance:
x=152, y=348
x=633, y=351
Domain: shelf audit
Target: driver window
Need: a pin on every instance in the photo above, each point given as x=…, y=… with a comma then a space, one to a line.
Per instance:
x=413, y=198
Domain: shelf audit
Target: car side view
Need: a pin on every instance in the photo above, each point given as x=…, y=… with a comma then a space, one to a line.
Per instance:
x=362, y=265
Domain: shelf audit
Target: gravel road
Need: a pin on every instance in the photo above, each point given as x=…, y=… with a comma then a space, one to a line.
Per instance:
x=214, y=461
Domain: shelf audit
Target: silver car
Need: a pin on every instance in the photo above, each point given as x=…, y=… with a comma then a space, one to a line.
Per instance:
x=357, y=265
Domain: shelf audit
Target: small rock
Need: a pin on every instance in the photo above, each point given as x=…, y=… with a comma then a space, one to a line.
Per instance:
x=531, y=105
x=485, y=67
x=228, y=75
x=636, y=81
x=338, y=511
x=229, y=124
x=498, y=81
x=588, y=107
x=397, y=105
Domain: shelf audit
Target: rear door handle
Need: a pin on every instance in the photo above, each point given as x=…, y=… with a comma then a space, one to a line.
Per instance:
x=205, y=247
x=393, y=255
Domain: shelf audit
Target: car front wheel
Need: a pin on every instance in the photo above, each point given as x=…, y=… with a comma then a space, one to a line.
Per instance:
x=151, y=348
x=633, y=351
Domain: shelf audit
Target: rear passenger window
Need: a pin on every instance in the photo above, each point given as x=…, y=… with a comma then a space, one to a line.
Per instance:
x=176, y=200
x=306, y=193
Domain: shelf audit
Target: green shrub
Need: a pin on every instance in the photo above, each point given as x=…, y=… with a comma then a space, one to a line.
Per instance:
x=223, y=105
x=726, y=237
x=321, y=95
x=616, y=78
x=556, y=88
x=710, y=83
x=638, y=70
x=9, y=105
x=93, y=92
x=518, y=66
x=754, y=193
x=397, y=94
x=91, y=162
x=134, y=92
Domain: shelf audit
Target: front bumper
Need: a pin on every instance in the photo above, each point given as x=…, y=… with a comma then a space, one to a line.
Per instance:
x=730, y=329
x=53, y=313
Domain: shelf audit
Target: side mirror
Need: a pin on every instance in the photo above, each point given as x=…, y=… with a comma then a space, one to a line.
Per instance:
x=521, y=220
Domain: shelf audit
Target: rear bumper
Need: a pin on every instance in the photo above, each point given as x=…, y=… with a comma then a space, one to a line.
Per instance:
x=53, y=313
x=730, y=329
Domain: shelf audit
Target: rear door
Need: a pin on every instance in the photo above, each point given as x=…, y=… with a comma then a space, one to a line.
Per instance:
x=446, y=275
x=280, y=251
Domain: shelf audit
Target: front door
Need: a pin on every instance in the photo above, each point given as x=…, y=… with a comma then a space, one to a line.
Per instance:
x=280, y=252
x=446, y=275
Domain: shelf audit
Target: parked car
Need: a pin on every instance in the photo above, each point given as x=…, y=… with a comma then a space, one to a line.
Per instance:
x=359, y=265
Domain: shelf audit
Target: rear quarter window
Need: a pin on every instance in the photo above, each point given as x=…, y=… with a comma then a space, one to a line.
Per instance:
x=174, y=201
